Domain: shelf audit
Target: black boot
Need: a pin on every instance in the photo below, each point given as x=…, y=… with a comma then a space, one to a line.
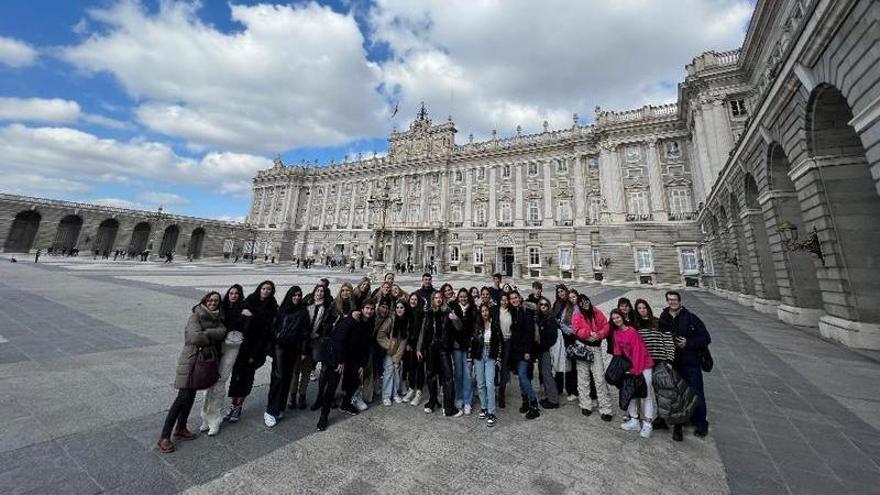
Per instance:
x=524, y=408
x=533, y=410
x=546, y=404
x=500, y=397
x=322, y=423
x=676, y=433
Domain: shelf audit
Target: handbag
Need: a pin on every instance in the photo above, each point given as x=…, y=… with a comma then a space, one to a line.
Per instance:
x=616, y=371
x=205, y=370
x=633, y=387
x=579, y=352
x=706, y=361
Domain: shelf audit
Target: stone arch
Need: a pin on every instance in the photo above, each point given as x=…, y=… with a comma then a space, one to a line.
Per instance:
x=196, y=242
x=67, y=233
x=839, y=193
x=755, y=227
x=140, y=236
x=23, y=232
x=750, y=191
x=796, y=275
x=169, y=239
x=738, y=244
x=106, y=236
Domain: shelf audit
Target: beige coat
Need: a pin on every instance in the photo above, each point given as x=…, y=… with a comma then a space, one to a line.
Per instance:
x=203, y=328
x=393, y=346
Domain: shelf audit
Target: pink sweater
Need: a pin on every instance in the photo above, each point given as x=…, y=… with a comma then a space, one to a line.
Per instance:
x=629, y=343
x=583, y=327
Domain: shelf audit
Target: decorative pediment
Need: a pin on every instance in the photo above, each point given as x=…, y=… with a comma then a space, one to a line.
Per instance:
x=505, y=239
x=533, y=194
x=678, y=182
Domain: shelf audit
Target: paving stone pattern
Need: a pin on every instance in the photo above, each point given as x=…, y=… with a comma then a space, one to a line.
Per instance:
x=789, y=413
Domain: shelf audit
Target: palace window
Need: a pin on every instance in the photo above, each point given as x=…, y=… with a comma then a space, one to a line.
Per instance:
x=533, y=236
x=562, y=166
x=593, y=163
x=453, y=254
x=534, y=256
x=413, y=213
x=478, y=255
x=533, y=169
x=597, y=259
x=595, y=209
x=534, y=212
x=738, y=108
x=459, y=177
x=435, y=179
x=679, y=202
x=689, y=263
x=673, y=150
x=563, y=209
x=644, y=260
x=455, y=213
x=228, y=245
x=506, y=214
x=505, y=171
x=638, y=203
x=565, y=258
x=632, y=153
x=435, y=212
x=481, y=173
x=480, y=214
x=478, y=236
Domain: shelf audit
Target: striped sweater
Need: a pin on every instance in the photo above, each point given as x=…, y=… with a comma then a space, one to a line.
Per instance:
x=659, y=344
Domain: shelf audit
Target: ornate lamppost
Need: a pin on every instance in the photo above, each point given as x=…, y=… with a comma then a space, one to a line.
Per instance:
x=789, y=234
x=158, y=218
x=383, y=201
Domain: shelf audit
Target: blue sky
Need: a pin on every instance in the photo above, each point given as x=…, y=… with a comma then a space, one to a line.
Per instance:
x=178, y=103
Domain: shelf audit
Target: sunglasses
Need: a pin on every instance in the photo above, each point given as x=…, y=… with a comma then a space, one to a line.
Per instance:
x=545, y=305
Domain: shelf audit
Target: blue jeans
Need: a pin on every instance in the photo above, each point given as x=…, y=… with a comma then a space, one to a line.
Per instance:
x=485, y=368
x=694, y=377
x=390, y=379
x=525, y=384
x=463, y=385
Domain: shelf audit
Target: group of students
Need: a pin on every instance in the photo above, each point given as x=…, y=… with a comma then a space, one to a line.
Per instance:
x=390, y=345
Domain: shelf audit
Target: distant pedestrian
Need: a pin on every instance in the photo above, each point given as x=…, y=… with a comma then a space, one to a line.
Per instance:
x=204, y=331
x=37, y=256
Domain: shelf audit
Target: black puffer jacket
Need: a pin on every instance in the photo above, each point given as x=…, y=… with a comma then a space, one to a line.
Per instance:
x=675, y=399
x=478, y=342
x=548, y=332
x=292, y=327
x=463, y=327
x=522, y=334
x=435, y=331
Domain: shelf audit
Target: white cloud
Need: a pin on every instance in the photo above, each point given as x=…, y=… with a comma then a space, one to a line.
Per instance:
x=521, y=62
x=39, y=110
x=118, y=203
x=292, y=76
x=228, y=218
x=50, y=152
x=15, y=53
x=34, y=184
x=165, y=199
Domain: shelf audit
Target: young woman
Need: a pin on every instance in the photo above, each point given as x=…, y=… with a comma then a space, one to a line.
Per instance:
x=203, y=328
x=485, y=350
x=566, y=371
x=291, y=339
x=230, y=312
x=399, y=294
x=259, y=311
x=448, y=293
x=322, y=315
x=361, y=293
x=435, y=348
x=591, y=327
x=345, y=302
x=462, y=317
x=413, y=367
x=660, y=345
x=486, y=299
x=392, y=338
x=625, y=307
x=629, y=344
x=475, y=293
x=505, y=323
x=561, y=300
x=522, y=350
x=548, y=334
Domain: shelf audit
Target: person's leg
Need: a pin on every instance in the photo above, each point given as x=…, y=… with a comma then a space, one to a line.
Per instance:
x=277, y=382
x=571, y=379
x=307, y=364
x=432, y=363
x=174, y=413
x=448, y=384
x=332, y=381
x=458, y=358
x=694, y=377
x=185, y=409
x=603, y=395
x=489, y=372
x=387, y=379
x=649, y=410
x=524, y=383
x=584, y=386
x=396, y=381
x=467, y=393
x=551, y=393
x=297, y=376
x=480, y=370
x=349, y=383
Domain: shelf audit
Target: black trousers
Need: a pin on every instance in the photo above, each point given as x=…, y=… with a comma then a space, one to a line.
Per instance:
x=350, y=384
x=282, y=375
x=438, y=364
x=179, y=412
x=414, y=370
x=568, y=381
x=242, y=380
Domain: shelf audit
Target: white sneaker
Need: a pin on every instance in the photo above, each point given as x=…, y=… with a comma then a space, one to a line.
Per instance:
x=358, y=402
x=458, y=414
x=572, y=398
x=398, y=399
x=269, y=420
x=409, y=395
x=386, y=402
x=204, y=427
x=467, y=410
x=647, y=428
x=631, y=425
x=417, y=398
x=213, y=431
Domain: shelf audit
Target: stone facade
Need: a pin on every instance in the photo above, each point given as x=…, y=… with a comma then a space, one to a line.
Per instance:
x=28, y=224
x=801, y=178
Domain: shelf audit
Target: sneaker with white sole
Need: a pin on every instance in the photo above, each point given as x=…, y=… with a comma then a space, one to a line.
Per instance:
x=213, y=431
x=572, y=398
x=467, y=409
x=417, y=398
x=647, y=428
x=459, y=414
x=491, y=420
x=409, y=395
x=631, y=425
x=483, y=414
x=398, y=399
x=204, y=427
x=359, y=403
x=386, y=402
x=269, y=420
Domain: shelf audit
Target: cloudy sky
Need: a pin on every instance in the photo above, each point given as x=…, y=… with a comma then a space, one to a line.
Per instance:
x=179, y=103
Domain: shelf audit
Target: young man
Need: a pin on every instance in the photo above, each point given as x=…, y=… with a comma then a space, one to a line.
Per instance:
x=495, y=290
x=346, y=359
x=427, y=288
x=535, y=297
x=691, y=339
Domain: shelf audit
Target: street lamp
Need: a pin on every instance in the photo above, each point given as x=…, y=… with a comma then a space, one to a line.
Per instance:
x=383, y=201
x=789, y=234
x=157, y=217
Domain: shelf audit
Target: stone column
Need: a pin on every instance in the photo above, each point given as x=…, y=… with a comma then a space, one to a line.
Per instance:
x=469, y=197
x=722, y=130
x=308, y=214
x=548, y=194
x=518, y=203
x=292, y=206
x=424, y=207
x=444, y=197
x=493, y=205
x=258, y=215
x=273, y=205
x=338, y=208
x=701, y=163
x=580, y=212
x=611, y=182
x=655, y=180
x=353, y=200
x=393, y=258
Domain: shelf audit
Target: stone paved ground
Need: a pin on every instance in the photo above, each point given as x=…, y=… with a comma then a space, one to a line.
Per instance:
x=87, y=353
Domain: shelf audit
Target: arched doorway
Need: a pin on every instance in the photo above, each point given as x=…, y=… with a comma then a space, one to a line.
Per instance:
x=847, y=215
x=196, y=239
x=756, y=229
x=67, y=235
x=169, y=239
x=140, y=236
x=802, y=287
x=23, y=232
x=744, y=268
x=106, y=237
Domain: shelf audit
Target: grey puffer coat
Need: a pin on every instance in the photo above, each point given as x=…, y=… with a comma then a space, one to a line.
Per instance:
x=203, y=328
x=675, y=399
